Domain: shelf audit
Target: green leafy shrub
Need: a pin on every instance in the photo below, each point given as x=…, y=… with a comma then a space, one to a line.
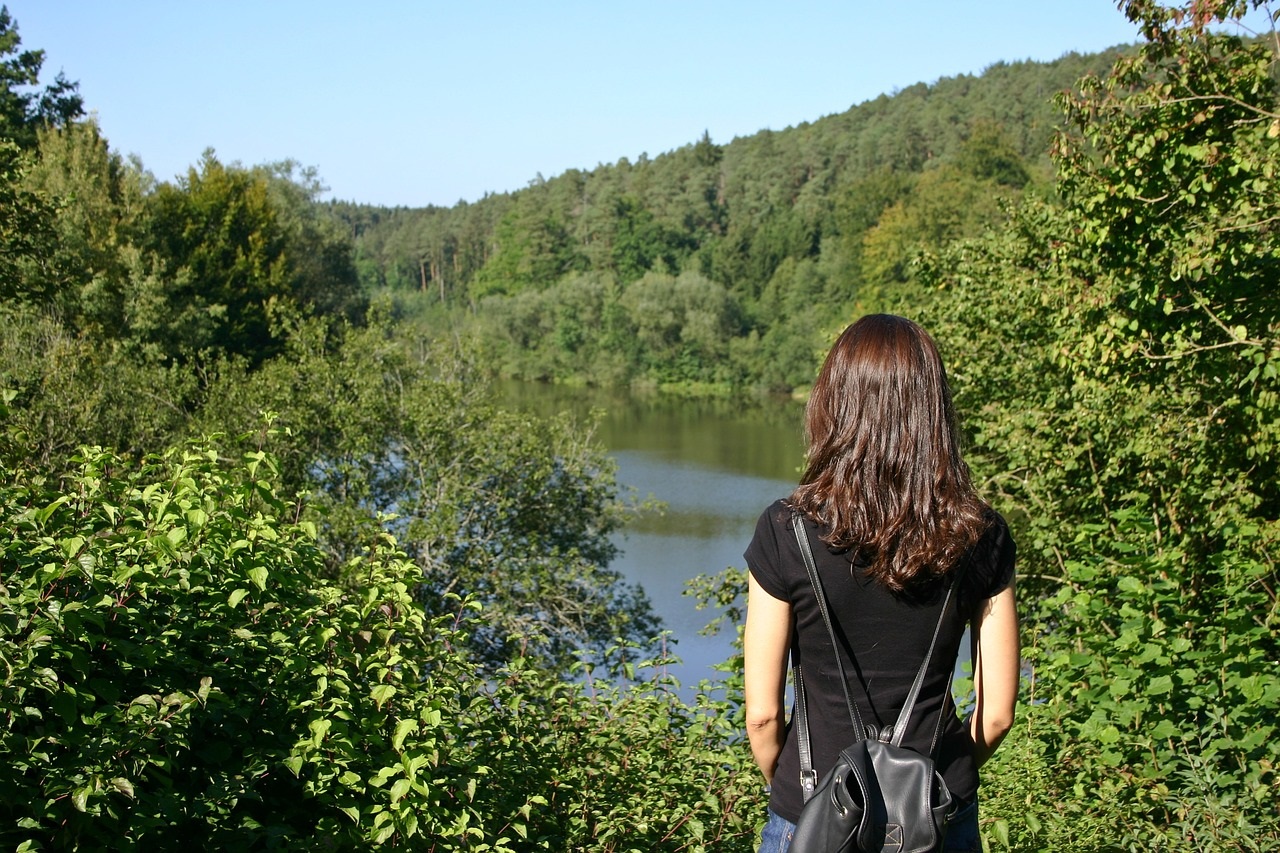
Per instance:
x=1116, y=360
x=164, y=636
x=177, y=670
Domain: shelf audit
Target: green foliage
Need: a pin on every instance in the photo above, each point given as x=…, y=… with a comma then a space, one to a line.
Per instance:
x=513, y=511
x=69, y=391
x=220, y=251
x=322, y=271
x=640, y=243
x=93, y=268
x=748, y=216
x=945, y=204
x=178, y=671
x=166, y=639
x=202, y=269
x=532, y=248
x=660, y=329
x=619, y=768
x=409, y=655
x=1114, y=360
x=26, y=229
x=1180, y=713
x=24, y=110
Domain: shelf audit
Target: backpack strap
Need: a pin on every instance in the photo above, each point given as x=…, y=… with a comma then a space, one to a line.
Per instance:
x=808, y=776
x=807, y=772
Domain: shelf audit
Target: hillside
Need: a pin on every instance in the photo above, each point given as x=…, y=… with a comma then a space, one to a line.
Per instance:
x=707, y=264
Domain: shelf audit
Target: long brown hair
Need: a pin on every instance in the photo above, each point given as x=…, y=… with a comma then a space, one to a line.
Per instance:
x=884, y=474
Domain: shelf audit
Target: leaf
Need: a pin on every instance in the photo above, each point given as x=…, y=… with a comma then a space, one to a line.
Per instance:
x=258, y=575
x=1001, y=830
x=403, y=728
x=1130, y=585
x=123, y=785
x=234, y=599
x=71, y=547
x=382, y=693
x=44, y=514
x=319, y=728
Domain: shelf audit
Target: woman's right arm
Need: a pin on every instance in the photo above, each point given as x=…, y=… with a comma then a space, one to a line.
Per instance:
x=766, y=643
x=996, y=666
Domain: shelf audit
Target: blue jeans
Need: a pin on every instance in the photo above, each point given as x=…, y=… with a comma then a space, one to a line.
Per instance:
x=962, y=832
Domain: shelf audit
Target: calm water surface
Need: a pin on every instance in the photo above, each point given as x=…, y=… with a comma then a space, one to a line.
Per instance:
x=715, y=465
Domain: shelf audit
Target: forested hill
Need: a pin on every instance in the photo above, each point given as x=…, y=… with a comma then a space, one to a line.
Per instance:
x=723, y=264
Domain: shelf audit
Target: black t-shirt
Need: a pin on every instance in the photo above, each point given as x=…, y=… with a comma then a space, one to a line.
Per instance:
x=889, y=635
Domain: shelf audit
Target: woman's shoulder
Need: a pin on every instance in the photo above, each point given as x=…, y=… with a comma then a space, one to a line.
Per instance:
x=994, y=556
x=996, y=536
x=779, y=512
x=766, y=555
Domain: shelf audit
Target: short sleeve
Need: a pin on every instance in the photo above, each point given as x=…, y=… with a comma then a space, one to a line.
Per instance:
x=763, y=555
x=997, y=556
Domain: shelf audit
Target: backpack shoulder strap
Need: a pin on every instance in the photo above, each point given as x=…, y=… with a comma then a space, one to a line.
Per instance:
x=807, y=773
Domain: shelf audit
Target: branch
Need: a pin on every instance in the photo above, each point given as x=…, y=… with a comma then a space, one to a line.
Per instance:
x=1052, y=578
x=1151, y=356
x=1203, y=304
x=1231, y=99
x=1248, y=225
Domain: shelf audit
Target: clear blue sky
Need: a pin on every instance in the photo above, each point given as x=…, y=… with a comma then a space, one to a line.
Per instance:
x=417, y=103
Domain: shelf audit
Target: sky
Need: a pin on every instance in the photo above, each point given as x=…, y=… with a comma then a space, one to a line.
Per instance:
x=417, y=103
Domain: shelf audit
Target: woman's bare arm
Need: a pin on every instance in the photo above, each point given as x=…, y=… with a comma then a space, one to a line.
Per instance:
x=996, y=665
x=765, y=644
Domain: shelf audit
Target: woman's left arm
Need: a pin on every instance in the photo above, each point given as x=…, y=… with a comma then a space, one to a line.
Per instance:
x=996, y=665
x=765, y=644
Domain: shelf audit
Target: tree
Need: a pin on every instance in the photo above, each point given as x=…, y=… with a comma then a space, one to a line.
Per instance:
x=24, y=112
x=27, y=234
x=99, y=200
x=320, y=255
x=220, y=265
x=943, y=205
x=513, y=512
x=176, y=669
x=640, y=243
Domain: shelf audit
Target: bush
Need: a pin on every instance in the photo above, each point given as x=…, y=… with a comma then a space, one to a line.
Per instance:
x=168, y=653
x=177, y=671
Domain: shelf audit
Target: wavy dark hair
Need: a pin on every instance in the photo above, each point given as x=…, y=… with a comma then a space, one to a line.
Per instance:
x=884, y=475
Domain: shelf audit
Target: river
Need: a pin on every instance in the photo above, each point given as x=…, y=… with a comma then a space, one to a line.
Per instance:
x=716, y=465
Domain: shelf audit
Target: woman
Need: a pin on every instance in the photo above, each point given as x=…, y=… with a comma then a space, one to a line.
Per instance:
x=886, y=490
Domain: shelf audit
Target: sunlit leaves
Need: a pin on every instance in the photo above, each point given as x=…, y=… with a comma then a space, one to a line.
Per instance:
x=1115, y=360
